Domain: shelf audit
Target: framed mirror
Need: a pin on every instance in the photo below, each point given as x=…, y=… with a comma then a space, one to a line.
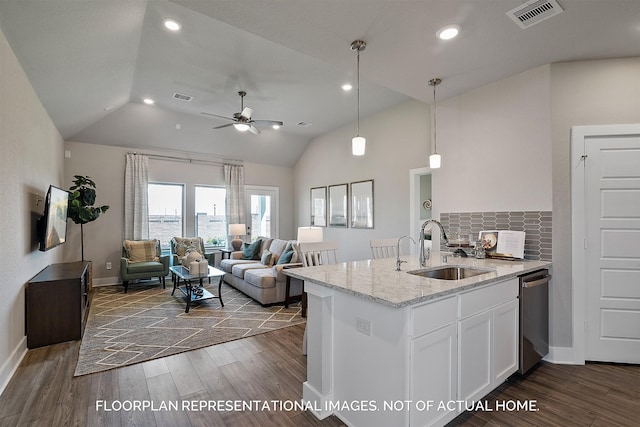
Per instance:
x=319, y=206
x=338, y=202
x=362, y=204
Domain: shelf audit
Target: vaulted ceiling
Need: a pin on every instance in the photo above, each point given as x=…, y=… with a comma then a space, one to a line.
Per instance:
x=92, y=62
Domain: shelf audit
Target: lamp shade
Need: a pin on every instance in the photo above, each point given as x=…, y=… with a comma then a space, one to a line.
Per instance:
x=309, y=234
x=237, y=229
x=434, y=161
x=358, y=145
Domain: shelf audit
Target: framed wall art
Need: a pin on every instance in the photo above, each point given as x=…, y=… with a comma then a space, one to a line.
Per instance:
x=319, y=206
x=338, y=205
x=361, y=195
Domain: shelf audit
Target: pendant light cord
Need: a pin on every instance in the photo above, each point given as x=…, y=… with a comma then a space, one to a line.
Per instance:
x=435, y=121
x=358, y=91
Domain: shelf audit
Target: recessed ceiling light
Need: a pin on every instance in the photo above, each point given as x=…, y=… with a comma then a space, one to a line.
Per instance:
x=148, y=101
x=171, y=24
x=448, y=32
x=347, y=87
x=276, y=127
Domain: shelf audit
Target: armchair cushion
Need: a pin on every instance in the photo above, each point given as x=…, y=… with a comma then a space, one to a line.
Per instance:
x=181, y=246
x=141, y=250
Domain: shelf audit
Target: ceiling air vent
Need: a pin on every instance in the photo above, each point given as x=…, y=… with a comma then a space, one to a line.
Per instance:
x=182, y=97
x=534, y=12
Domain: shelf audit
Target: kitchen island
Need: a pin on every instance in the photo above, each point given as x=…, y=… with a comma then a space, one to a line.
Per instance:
x=388, y=347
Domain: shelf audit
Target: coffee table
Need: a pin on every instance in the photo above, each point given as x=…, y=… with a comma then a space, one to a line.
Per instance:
x=191, y=294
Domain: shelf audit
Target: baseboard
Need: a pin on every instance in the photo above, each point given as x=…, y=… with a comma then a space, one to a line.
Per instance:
x=562, y=356
x=106, y=281
x=11, y=365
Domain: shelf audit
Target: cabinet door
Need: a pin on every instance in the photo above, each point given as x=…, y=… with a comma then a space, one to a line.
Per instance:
x=433, y=375
x=505, y=341
x=474, y=370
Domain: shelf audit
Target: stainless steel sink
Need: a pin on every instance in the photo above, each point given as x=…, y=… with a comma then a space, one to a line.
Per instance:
x=451, y=273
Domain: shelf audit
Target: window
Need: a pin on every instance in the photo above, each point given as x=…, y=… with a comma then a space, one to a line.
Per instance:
x=210, y=221
x=165, y=212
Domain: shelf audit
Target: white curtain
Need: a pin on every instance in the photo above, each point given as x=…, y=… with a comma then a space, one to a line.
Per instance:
x=234, y=183
x=136, y=197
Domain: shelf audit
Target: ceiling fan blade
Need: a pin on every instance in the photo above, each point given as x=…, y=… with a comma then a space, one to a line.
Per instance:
x=269, y=122
x=216, y=115
x=254, y=130
x=224, y=126
x=246, y=113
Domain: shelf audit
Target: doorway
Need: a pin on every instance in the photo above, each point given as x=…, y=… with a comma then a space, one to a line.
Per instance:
x=420, y=202
x=605, y=234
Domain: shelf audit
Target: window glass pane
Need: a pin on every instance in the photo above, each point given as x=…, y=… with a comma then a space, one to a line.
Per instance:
x=260, y=216
x=165, y=212
x=211, y=222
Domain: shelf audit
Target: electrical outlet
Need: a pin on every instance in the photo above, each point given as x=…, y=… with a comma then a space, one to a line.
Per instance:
x=108, y=265
x=363, y=326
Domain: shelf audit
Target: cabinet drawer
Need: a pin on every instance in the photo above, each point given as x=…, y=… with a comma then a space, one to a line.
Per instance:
x=433, y=315
x=482, y=299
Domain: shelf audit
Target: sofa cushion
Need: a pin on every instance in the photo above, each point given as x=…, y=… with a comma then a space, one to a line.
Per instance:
x=262, y=278
x=226, y=265
x=141, y=250
x=239, y=270
x=252, y=250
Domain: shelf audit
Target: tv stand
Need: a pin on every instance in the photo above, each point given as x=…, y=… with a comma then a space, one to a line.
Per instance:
x=57, y=303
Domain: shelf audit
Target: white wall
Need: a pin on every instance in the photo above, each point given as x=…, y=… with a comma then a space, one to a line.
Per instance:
x=582, y=93
x=30, y=160
x=105, y=164
x=397, y=140
x=495, y=143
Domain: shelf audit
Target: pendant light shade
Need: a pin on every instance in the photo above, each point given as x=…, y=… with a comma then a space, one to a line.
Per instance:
x=358, y=143
x=434, y=160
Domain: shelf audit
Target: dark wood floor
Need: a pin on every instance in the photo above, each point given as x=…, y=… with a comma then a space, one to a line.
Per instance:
x=43, y=392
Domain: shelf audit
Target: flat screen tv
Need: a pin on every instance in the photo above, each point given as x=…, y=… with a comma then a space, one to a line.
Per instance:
x=52, y=226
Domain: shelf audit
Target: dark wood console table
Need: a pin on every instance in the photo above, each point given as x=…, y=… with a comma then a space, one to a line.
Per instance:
x=57, y=303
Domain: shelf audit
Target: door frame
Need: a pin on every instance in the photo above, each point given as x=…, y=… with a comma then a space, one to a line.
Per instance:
x=579, y=136
x=415, y=204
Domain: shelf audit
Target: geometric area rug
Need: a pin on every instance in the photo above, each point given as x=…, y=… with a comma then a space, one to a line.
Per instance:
x=148, y=322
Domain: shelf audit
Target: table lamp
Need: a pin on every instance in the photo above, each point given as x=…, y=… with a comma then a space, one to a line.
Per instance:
x=309, y=234
x=236, y=230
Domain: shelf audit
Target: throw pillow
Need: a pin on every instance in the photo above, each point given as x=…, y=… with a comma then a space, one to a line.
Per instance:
x=267, y=258
x=141, y=250
x=251, y=251
x=286, y=256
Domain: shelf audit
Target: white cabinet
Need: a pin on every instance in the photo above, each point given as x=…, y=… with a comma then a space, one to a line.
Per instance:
x=434, y=361
x=487, y=338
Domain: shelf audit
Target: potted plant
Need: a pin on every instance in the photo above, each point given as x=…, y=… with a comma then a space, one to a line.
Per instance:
x=81, y=200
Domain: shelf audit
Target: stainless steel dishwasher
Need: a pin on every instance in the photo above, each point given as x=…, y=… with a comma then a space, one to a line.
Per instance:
x=534, y=318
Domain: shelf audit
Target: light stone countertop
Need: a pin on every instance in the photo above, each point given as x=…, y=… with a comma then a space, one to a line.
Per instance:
x=377, y=280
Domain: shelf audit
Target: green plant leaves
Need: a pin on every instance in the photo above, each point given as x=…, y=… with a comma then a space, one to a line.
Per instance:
x=83, y=196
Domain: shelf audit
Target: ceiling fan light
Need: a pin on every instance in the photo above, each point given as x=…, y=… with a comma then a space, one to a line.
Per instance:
x=434, y=161
x=358, y=145
x=276, y=126
x=242, y=127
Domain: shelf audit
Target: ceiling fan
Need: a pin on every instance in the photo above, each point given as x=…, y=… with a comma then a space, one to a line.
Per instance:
x=242, y=121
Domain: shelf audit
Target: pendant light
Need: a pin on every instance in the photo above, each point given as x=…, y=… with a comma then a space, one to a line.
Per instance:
x=358, y=143
x=434, y=159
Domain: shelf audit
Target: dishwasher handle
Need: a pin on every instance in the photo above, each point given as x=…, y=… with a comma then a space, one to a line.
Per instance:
x=538, y=282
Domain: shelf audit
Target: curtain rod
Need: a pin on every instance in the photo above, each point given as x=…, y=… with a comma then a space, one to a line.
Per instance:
x=189, y=160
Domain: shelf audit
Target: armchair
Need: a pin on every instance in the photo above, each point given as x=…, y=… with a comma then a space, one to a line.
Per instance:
x=181, y=246
x=142, y=259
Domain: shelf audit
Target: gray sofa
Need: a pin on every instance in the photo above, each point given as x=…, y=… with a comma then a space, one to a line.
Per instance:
x=259, y=278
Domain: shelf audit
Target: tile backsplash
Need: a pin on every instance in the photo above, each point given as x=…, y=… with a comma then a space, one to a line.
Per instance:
x=535, y=224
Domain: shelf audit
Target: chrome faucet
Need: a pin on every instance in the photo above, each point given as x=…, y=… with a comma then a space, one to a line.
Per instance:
x=399, y=261
x=443, y=236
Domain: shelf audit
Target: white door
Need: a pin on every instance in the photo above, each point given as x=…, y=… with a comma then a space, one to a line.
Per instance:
x=261, y=204
x=612, y=220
